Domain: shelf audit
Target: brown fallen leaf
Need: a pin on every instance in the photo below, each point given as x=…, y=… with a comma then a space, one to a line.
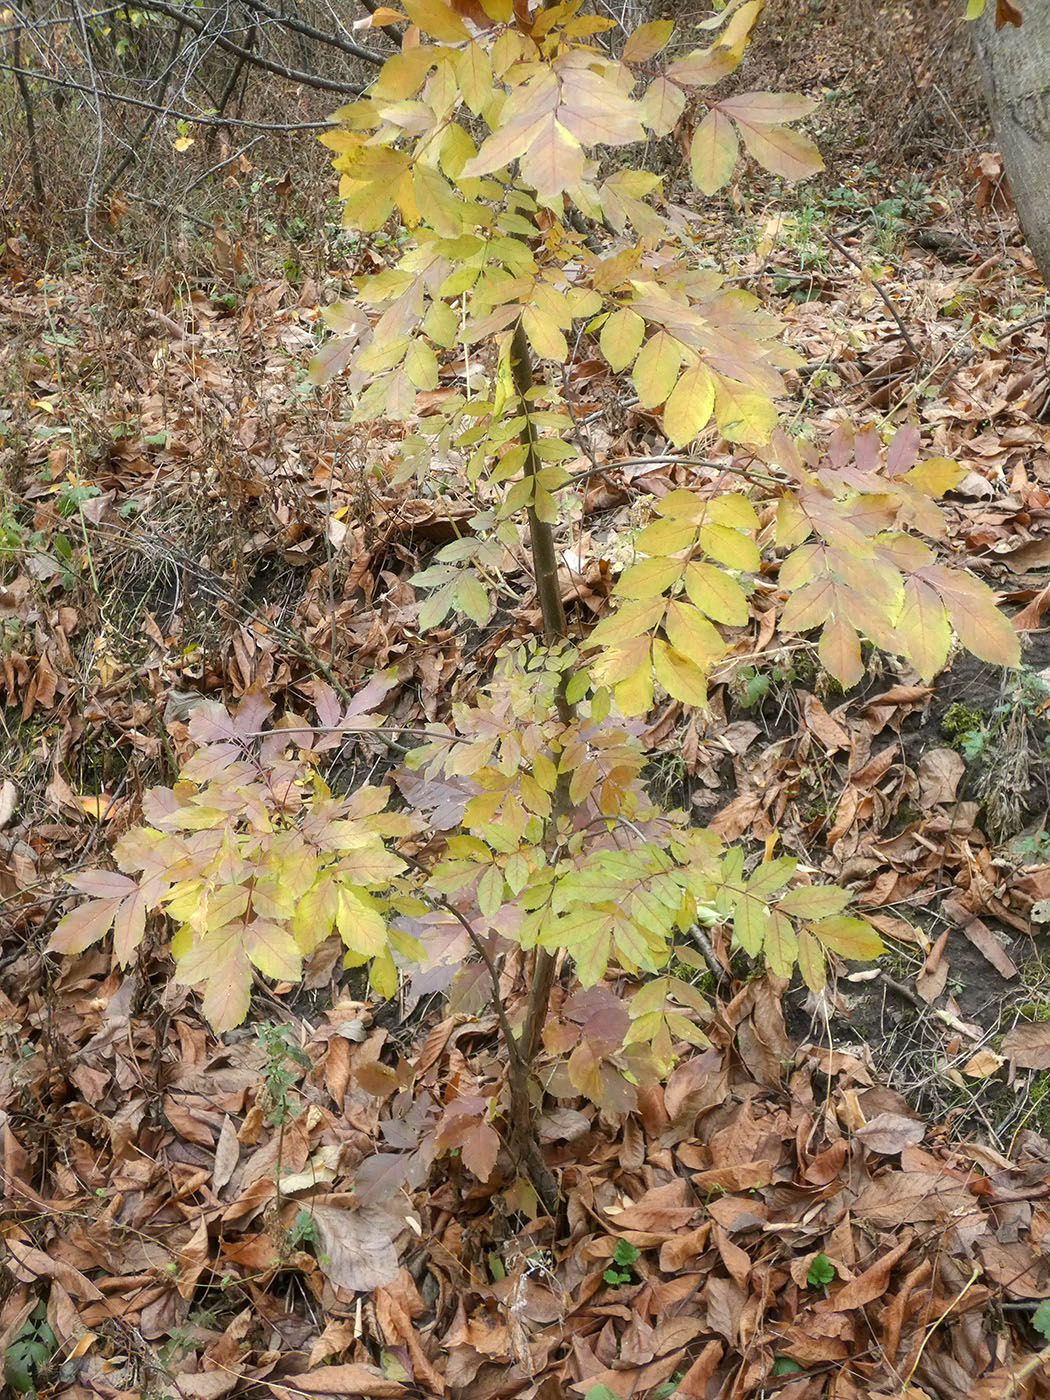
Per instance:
x=350, y=1379
x=940, y=772
x=890, y=1133
x=983, y=1064
x=357, y=1246
x=206, y=1385
x=869, y=1285
x=28, y=1265
x=1028, y=1045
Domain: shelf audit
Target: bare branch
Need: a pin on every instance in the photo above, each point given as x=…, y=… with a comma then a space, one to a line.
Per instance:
x=201, y=119
x=295, y=75
x=298, y=26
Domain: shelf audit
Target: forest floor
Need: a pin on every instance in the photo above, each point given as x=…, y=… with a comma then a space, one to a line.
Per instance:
x=844, y=1196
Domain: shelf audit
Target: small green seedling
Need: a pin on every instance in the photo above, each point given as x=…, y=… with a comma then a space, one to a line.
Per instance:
x=29, y=1352
x=621, y=1270
x=821, y=1272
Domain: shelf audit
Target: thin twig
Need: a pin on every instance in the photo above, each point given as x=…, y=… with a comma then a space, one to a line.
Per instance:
x=199, y=119
x=878, y=287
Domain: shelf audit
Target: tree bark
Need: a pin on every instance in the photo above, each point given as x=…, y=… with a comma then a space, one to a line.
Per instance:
x=1015, y=70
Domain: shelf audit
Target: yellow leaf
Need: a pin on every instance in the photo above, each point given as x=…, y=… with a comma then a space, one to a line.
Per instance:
x=594, y=108
x=360, y=924
x=689, y=405
x=474, y=75
x=691, y=634
x=402, y=74
x=743, y=415
x=935, y=475
x=553, y=160
x=681, y=678
x=986, y=1062
x=982, y=628
x=716, y=594
x=370, y=184
x=438, y=20
x=546, y=339
x=923, y=629
x=183, y=143
x=621, y=338
x=441, y=324
x=617, y=664
x=730, y=547
x=809, y=606
x=273, y=950
x=733, y=509
x=421, y=365
x=839, y=651
x=382, y=976
x=665, y=537
x=713, y=152
x=779, y=149
x=631, y=620
x=647, y=40
x=656, y=369
x=649, y=578
x=634, y=694
x=661, y=105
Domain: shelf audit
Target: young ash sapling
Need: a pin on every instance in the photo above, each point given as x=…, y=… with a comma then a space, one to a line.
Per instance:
x=481, y=137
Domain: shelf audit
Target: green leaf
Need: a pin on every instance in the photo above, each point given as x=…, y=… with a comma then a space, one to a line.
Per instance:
x=849, y=937
x=821, y=1272
x=1041, y=1318
x=750, y=921
x=785, y=1366
x=811, y=961
x=781, y=945
x=472, y=598
x=626, y=1254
